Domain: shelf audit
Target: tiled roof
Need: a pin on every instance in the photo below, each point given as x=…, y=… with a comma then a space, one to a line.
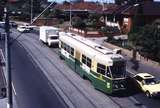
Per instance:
x=80, y=6
x=111, y=8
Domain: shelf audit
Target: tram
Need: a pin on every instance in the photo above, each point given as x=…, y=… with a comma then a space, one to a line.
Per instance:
x=105, y=69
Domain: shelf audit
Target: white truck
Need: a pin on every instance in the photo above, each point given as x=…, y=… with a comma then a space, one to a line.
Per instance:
x=49, y=35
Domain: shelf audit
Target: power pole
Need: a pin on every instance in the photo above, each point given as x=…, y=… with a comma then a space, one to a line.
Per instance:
x=31, y=11
x=70, y=15
x=8, y=59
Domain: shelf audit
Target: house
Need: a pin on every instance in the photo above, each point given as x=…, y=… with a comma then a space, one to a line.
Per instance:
x=146, y=12
x=79, y=9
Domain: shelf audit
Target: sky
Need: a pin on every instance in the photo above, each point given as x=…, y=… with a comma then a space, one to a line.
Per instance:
x=109, y=1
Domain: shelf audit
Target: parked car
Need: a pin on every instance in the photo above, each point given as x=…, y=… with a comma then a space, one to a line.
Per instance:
x=13, y=24
x=31, y=27
x=148, y=84
x=23, y=29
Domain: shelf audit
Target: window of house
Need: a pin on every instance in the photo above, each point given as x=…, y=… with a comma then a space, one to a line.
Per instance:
x=101, y=68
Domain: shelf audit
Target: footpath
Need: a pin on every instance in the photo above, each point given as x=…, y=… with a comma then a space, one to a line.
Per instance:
x=3, y=100
x=145, y=65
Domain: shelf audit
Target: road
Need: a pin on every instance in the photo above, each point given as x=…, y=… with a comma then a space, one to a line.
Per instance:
x=25, y=89
x=140, y=97
x=31, y=88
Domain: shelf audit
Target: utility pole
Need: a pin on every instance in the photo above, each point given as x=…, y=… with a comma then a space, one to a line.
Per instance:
x=70, y=15
x=8, y=59
x=31, y=11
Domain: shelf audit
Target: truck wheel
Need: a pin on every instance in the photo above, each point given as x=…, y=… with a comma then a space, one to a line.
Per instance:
x=49, y=44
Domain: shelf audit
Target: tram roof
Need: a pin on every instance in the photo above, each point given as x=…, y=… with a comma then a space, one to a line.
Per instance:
x=89, y=48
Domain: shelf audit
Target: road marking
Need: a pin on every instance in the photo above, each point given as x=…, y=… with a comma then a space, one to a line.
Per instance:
x=2, y=55
x=14, y=89
x=137, y=102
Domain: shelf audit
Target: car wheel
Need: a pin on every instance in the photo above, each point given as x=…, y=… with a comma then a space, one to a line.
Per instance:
x=148, y=94
x=49, y=44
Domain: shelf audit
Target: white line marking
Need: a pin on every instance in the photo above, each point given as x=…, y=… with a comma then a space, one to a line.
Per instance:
x=14, y=89
x=2, y=55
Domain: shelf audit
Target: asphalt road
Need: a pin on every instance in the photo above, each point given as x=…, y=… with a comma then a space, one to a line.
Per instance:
x=138, y=95
x=30, y=86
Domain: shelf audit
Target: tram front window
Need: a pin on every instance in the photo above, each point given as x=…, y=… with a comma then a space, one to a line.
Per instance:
x=118, y=71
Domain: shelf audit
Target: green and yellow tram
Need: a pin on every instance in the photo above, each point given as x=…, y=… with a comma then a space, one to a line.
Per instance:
x=105, y=69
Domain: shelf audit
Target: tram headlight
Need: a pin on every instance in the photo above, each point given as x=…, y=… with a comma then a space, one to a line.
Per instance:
x=115, y=86
x=122, y=86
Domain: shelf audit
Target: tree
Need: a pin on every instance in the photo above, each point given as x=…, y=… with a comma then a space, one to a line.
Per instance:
x=93, y=20
x=135, y=29
x=77, y=22
x=148, y=40
x=36, y=6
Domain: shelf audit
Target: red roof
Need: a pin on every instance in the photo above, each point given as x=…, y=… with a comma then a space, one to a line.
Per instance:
x=80, y=6
x=111, y=8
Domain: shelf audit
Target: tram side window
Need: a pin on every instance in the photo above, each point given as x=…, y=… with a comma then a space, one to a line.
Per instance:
x=83, y=59
x=72, y=51
x=86, y=60
x=108, y=74
x=67, y=48
x=101, y=68
x=62, y=45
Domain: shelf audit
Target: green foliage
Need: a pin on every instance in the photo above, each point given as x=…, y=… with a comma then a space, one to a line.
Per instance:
x=77, y=22
x=148, y=40
x=93, y=20
x=109, y=30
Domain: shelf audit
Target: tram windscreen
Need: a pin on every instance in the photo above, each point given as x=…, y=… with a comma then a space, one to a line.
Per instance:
x=118, y=69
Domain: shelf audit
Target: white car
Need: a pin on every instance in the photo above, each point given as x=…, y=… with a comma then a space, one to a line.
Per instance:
x=23, y=29
x=148, y=84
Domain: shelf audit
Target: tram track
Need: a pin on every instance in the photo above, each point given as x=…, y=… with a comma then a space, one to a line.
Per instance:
x=56, y=52
x=114, y=99
x=68, y=79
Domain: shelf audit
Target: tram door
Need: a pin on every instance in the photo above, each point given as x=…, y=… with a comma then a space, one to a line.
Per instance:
x=77, y=61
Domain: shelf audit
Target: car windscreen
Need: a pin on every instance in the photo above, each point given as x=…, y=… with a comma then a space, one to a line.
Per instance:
x=150, y=81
